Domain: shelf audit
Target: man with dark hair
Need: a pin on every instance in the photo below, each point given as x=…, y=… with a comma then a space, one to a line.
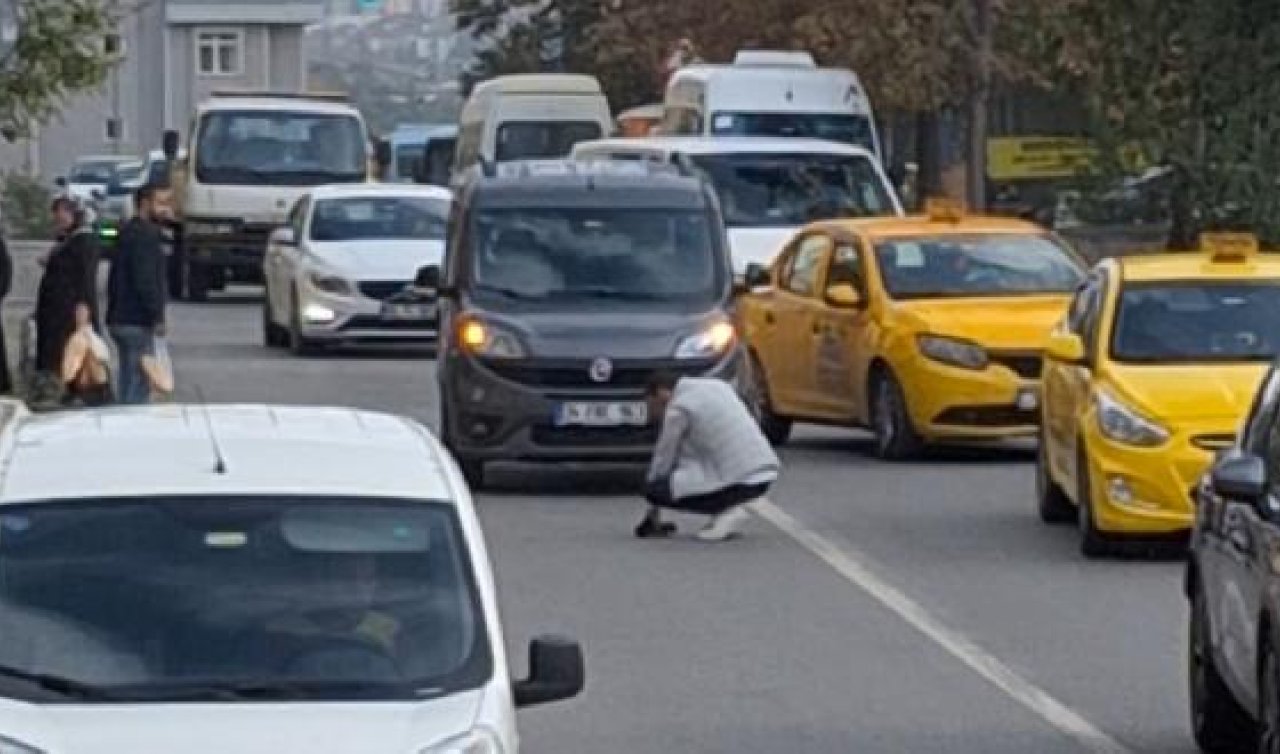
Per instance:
x=711, y=457
x=137, y=291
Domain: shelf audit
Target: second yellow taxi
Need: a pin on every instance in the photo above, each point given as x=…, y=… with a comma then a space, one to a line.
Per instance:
x=923, y=329
x=1147, y=377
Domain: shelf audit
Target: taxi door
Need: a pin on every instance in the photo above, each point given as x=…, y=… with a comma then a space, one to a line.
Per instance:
x=1067, y=387
x=789, y=327
x=842, y=348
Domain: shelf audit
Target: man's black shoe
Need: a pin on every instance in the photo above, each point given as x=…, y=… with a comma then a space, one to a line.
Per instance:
x=650, y=529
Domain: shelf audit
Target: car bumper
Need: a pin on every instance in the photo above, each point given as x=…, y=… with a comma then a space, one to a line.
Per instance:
x=1148, y=491
x=953, y=404
x=339, y=319
x=494, y=416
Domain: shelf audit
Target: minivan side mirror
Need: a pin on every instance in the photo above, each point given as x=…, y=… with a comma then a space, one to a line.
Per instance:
x=169, y=144
x=757, y=276
x=428, y=278
x=1067, y=348
x=1242, y=478
x=557, y=672
x=60, y=181
x=284, y=237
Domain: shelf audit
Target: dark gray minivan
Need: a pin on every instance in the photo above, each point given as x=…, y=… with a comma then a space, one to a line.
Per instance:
x=565, y=285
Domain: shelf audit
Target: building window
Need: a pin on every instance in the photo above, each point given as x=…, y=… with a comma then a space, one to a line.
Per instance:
x=220, y=52
x=113, y=46
x=115, y=129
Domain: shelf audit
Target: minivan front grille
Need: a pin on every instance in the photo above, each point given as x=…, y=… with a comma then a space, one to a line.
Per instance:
x=577, y=373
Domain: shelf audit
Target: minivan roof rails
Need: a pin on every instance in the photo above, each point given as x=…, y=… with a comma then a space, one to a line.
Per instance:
x=789, y=58
x=259, y=94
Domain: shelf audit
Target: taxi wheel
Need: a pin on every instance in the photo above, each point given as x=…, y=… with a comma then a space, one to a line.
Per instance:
x=1093, y=543
x=1054, y=505
x=776, y=428
x=896, y=438
x=1219, y=723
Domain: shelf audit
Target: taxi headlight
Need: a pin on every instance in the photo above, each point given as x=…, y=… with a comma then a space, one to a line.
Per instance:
x=334, y=285
x=953, y=352
x=1122, y=424
x=712, y=341
x=9, y=746
x=483, y=339
x=478, y=741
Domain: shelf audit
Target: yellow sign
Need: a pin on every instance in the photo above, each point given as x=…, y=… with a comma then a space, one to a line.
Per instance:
x=1229, y=246
x=1020, y=158
x=941, y=209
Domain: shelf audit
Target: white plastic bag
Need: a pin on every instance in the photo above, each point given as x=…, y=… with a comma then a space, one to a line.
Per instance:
x=159, y=369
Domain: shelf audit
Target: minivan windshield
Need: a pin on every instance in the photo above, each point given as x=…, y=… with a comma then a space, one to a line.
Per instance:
x=841, y=127
x=535, y=140
x=1162, y=323
x=789, y=190
x=583, y=254
x=238, y=598
x=283, y=148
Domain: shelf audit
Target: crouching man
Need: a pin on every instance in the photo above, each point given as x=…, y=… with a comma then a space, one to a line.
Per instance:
x=711, y=457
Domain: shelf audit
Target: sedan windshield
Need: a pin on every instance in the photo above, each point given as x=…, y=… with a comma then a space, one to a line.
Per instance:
x=189, y=599
x=644, y=255
x=367, y=218
x=102, y=171
x=848, y=129
x=976, y=266
x=280, y=148
x=1199, y=322
x=789, y=190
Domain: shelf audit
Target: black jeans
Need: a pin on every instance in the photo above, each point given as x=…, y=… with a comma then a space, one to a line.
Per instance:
x=659, y=495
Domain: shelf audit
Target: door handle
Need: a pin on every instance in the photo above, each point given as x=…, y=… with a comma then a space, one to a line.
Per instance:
x=768, y=318
x=818, y=329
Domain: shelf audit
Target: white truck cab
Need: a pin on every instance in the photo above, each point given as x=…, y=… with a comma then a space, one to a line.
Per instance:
x=770, y=93
x=250, y=157
x=285, y=579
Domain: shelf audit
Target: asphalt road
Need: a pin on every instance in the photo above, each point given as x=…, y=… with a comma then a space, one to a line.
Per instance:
x=879, y=608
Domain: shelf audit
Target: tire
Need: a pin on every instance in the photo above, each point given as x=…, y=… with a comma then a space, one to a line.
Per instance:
x=1219, y=723
x=895, y=436
x=174, y=267
x=776, y=429
x=197, y=281
x=1268, y=726
x=298, y=343
x=273, y=335
x=1051, y=502
x=1093, y=542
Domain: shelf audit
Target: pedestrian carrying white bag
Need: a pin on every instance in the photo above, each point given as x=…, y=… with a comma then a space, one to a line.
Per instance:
x=159, y=369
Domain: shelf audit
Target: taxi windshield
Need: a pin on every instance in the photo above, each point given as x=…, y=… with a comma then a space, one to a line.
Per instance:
x=976, y=266
x=228, y=598
x=588, y=254
x=789, y=190
x=1197, y=322
x=365, y=218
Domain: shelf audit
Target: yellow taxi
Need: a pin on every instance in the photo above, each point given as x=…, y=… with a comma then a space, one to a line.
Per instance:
x=1145, y=379
x=923, y=329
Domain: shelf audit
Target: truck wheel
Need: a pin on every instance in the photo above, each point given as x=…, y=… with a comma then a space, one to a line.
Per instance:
x=174, y=265
x=197, y=279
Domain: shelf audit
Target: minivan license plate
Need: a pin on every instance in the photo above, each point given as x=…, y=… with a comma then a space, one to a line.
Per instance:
x=602, y=414
x=408, y=311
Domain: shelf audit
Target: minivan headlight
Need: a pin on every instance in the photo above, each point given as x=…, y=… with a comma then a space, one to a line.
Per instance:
x=484, y=339
x=953, y=352
x=9, y=746
x=478, y=741
x=1122, y=424
x=711, y=341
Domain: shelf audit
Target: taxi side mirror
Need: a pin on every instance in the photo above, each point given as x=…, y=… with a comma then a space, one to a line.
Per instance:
x=844, y=296
x=1067, y=348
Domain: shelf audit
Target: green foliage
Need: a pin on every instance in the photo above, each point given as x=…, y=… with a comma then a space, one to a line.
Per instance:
x=59, y=53
x=24, y=206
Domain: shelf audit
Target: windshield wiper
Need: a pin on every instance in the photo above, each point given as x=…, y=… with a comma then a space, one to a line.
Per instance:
x=509, y=292
x=57, y=684
x=271, y=691
x=618, y=293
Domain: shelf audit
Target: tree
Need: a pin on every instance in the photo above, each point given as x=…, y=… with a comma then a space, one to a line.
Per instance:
x=60, y=52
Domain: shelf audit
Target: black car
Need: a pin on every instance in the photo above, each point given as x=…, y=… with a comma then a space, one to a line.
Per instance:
x=566, y=285
x=1233, y=584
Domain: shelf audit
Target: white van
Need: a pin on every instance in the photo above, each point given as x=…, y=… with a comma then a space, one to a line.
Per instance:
x=765, y=93
x=533, y=116
x=768, y=187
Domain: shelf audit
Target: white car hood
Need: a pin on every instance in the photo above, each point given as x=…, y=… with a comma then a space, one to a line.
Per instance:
x=377, y=260
x=85, y=191
x=364, y=728
x=756, y=245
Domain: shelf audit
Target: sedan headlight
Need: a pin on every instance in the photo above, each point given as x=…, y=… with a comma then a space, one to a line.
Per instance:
x=710, y=342
x=483, y=339
x=335, y=285
x=478, y=741
x=953, y=352
x=1122, y=424
x=9, y=746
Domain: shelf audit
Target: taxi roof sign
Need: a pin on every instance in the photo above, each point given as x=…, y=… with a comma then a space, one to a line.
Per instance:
x=1229, y=247
x=940, y=209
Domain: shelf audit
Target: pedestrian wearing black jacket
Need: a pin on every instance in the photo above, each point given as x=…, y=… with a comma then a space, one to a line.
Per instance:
x=70, y=280
x=137, y=293
x=6, y=286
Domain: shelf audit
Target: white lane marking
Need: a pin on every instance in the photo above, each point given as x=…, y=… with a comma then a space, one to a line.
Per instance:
x=851, y=566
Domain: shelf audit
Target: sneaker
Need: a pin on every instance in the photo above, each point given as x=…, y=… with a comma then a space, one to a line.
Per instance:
x=651, y=529
x=725, y=526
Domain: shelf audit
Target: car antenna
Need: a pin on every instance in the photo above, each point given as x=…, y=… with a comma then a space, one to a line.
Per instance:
x=220, y=461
